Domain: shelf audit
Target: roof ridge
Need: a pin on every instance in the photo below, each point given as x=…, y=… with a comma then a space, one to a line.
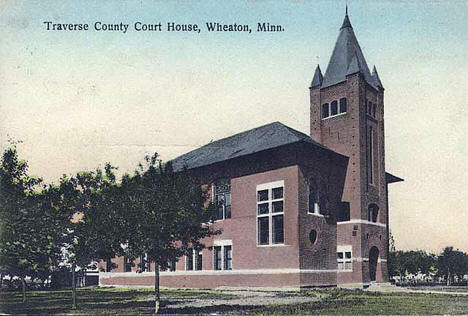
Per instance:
x=238, y=134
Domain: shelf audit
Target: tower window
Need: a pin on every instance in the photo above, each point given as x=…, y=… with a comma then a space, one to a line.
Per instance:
x=325, y=111
x=374, y=108
x=334, y=108
x=372, y=213
x=371, y=155
x=343, y=105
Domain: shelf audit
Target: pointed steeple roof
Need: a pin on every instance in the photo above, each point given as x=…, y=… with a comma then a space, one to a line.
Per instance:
x=318, y=78
x=376, y=78
x=347, y=58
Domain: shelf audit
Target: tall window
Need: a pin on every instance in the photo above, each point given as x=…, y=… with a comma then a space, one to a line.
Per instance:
x=189, y=261
x=343, y=105
x=198, y=260
x=325, y=110
x=194, y=261
x=227, y=257
x=222, y=256
x=218, y=258
x=334, y=108
x=222, y=198
x=371, y=155
x=128, y=263
x=345, y=258
x=270, y=213
x=372, y=213
x=314, y=203
x=145, y=264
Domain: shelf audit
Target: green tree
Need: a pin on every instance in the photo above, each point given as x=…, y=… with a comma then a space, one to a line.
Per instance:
x=165, y=215
x=20, y=252
x=451, y=263
x=93, y=232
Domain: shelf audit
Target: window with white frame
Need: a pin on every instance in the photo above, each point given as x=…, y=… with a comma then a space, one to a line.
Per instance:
x=222, y=198
x=270, y=213
x=345, y=257
x=194, y=261
x=222, y=255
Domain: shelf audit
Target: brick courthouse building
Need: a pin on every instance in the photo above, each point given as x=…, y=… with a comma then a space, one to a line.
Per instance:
x=295, y=210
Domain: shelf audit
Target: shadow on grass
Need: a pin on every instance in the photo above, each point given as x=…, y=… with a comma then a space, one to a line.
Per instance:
x=96, y=301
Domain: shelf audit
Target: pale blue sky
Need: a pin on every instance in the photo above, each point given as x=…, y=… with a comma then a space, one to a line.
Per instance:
x=79, y=99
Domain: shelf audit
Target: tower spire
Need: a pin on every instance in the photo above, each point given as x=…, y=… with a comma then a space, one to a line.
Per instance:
x=346, y=22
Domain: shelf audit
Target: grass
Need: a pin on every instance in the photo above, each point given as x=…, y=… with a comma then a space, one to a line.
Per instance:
x=138, y=301
x=346, y=302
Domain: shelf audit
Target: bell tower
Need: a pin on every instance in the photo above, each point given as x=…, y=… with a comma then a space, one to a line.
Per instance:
x=347, y=116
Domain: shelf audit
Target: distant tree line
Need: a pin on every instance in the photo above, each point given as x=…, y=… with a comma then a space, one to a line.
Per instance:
x=450, y=265
x=92, y=216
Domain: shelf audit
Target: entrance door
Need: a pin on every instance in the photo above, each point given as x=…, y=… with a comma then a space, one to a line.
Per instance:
x=373, y=258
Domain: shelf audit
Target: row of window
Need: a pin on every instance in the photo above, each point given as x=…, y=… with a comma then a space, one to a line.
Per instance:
x=337, y=107
x=222, y=260
x=334, y=108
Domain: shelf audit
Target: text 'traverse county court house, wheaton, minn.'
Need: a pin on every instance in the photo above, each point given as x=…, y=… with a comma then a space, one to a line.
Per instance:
x=295, y=210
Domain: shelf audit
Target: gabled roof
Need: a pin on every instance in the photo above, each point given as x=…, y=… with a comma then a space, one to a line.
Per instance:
x=346, y=59
x=252, y=141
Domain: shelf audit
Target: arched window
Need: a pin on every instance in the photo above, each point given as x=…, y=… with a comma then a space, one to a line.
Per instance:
x=334, y=108
x=343, y=105
x=372, y=213
x=325, y=111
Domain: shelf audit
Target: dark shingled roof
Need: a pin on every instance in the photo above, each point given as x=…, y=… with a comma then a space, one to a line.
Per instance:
x=318, y=78
x=347, y=59
x=252, y=141
x=390, y=178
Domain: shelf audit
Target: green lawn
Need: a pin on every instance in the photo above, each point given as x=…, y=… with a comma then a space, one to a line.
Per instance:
x=137, y=301
x=344, y=302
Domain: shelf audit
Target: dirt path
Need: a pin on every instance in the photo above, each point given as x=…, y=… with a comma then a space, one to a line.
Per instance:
x=244, y=298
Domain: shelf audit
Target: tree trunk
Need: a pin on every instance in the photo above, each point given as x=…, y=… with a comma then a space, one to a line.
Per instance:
x=156, y=288
x=23, y=286
x=448, y=277
x=73, y=287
